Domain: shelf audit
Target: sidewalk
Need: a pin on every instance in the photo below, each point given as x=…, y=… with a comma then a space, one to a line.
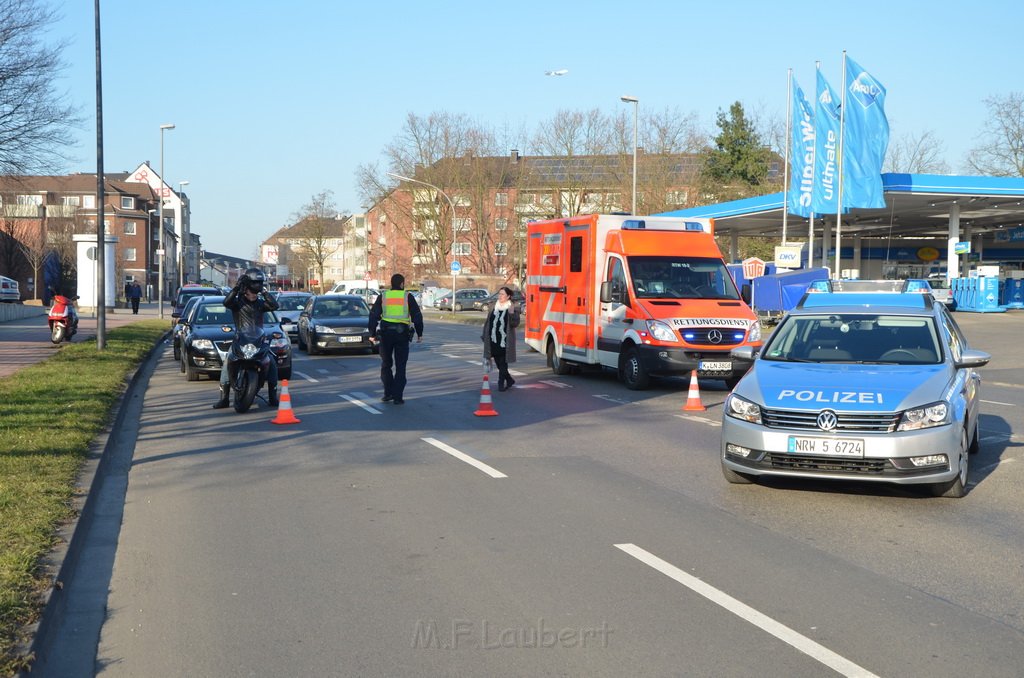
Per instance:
x=27, y=341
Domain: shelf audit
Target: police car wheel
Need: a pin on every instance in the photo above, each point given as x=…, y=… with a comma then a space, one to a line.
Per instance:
x=734, y=477
x=957, y=487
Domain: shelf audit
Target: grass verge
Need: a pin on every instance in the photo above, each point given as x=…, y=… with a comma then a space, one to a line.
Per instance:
x=49, y=415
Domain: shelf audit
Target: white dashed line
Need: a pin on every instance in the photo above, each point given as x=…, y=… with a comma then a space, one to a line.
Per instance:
x=357, y=401
x=465, y=457
x=306, y=376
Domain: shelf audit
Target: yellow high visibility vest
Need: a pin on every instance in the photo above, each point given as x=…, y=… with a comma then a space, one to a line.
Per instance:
x=395, y=307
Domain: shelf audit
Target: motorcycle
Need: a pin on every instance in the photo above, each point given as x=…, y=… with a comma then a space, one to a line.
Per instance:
x=248, y=366
x=63, y=319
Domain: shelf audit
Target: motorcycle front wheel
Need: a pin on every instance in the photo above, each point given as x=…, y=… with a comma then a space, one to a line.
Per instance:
x=57, y=333
x=246, y=384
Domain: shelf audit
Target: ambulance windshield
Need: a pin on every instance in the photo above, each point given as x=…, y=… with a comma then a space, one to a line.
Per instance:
x=681, y=278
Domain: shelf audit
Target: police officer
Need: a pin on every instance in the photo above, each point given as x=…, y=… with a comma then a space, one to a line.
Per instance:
x=247, y=302
x=399, y=316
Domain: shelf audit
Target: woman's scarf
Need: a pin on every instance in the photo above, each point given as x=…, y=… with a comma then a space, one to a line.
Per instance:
x=499, y=324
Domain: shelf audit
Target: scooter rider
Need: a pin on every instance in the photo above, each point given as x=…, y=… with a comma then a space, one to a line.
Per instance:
x=247, y=302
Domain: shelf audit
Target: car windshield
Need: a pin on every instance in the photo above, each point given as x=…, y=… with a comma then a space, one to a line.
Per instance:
x=290, y=303
x=340, y=308
x=855, y=338
x=681, y=278
x=218, y=314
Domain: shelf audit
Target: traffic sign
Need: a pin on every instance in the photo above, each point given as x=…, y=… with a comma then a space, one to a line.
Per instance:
x=456, y=267
x=367, y=277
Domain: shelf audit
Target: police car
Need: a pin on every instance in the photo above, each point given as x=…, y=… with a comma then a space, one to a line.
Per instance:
x=876, y=386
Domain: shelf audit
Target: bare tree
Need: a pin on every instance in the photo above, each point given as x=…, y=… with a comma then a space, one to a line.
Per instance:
x=318, y=233
x=916, y=154
x=31, y=239
x=35, y=122
x=1000, y=151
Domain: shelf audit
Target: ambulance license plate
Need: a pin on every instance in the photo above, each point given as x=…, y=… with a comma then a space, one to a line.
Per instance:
x=830, y=447
x=715, y=366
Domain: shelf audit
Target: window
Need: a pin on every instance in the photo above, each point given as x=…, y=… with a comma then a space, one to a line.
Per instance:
x=89, y=202
x=129, y=228
x=70, y=200
x=501, y=199
x=576, y=254
x=500, y=249
x=127, y=202
x=676, y=197
x=462, y=249
x=463, y=223
x=129, y=254
x=30, y=200
x=501, y=224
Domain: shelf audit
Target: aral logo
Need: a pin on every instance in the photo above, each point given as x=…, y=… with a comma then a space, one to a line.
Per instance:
x=865, y=90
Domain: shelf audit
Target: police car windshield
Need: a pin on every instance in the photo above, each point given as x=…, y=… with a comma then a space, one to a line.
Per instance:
x=681, y=278
x=855, y=338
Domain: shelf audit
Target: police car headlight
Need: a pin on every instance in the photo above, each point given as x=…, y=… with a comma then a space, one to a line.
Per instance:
x=740, y=408
x=323, y=329
x=935, y=414
x=755, y=332
x=202, y=345
x=661, y=331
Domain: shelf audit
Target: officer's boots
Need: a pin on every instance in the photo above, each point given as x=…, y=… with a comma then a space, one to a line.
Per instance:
x=225, y=393
x=273, y=396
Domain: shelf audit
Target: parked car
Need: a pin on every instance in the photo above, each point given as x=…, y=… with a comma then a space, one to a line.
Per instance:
x=487, y=303
x=463, y=299
x=335, y=321
x=9, y=292
x=208, y=334
x=879, y=387
x=942, y=291
x=179, y=329
x=290, y=305
x=187, y=292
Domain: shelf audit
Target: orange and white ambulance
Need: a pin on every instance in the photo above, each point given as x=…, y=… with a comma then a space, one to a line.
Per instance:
x=641, y=295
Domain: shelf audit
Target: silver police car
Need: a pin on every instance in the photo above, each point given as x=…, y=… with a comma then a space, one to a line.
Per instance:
x=866, y=386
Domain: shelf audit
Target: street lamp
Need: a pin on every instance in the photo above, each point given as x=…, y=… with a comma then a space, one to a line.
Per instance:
x=181, y=245
x=454, y=235
x=160, y=252
x=636, y=106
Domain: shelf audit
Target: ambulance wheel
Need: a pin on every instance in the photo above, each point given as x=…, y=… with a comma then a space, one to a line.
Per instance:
x=557, y=365
x=734, y=477
x=633, y=373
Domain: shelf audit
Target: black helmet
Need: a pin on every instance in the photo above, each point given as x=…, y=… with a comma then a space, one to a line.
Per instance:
x=255, y=279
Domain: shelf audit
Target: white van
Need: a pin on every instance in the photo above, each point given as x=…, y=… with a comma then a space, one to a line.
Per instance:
x=354, y=286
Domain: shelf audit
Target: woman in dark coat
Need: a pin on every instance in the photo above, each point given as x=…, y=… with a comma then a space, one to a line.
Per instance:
x=499, y=336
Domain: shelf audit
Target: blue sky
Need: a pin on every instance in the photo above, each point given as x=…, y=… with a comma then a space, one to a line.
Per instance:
x=275, y=102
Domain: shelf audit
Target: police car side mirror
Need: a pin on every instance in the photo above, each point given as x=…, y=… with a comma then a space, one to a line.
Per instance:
x=746, y=353
x=973, y=358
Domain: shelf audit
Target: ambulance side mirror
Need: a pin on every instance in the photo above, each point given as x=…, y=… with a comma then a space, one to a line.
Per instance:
x=611, y=292
x=745, y=293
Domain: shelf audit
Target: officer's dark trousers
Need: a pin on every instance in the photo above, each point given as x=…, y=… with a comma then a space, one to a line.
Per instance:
x=394, y=354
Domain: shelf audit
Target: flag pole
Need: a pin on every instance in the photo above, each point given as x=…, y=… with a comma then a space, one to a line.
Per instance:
x=789, y=142
x=839, y=205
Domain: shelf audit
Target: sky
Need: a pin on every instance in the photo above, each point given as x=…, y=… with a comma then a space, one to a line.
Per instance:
x=276, y=102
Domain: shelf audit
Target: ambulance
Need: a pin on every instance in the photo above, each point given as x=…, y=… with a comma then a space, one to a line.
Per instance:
x=641, y=295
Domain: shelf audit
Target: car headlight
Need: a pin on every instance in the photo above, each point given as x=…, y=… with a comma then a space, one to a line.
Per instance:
x=741, y=408
x=661, y=331
x=754, y=334
x=935, y=414
x=202, y=345
x=323, y=329
x=280, y=342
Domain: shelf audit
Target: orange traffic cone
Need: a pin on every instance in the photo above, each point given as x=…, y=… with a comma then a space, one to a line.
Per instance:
x=693, y=403
x=486, y=409
x=284, y=408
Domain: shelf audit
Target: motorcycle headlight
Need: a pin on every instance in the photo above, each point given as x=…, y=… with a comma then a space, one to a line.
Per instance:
x=740, y=408
x=935, y=414
x=249, y=350
x=754, y=334
x=323, y=329
x=661, y=331
x=202, y=345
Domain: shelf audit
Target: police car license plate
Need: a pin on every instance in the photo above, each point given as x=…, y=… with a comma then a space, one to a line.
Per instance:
x=349, y=340
x=714, y=366
x=833, y=447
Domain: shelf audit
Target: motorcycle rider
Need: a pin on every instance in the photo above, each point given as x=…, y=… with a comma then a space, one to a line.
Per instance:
x=247, y=302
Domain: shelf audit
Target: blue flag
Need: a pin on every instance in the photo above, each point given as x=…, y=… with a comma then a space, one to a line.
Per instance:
x=825, y=198
x=801, y=155
x=866, y=139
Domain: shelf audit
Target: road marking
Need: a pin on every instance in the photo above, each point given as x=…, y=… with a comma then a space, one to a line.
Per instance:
x=465, y=457
x=556, y=384
x=449, y=355
x=996, y=402
x=612, y=399
x=765, y=623
x=1002, y=384
x=703, y=420
x=357, y=401
x=306, y=376
x=995, y=465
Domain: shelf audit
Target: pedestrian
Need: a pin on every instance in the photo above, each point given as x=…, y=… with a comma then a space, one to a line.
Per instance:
x=399, y=317
x=135, y=295
x=499, y=336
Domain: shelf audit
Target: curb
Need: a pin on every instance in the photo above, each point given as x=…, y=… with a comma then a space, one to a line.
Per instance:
x=108, y=457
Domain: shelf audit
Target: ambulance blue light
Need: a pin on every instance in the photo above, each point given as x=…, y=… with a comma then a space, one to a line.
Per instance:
x=634, y=224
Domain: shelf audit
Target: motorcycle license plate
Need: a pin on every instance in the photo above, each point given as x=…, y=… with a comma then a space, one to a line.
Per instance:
x=830, y=447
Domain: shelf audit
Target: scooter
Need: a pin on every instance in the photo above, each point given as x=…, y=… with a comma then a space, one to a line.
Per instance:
x=63, y=319
x=248, y=366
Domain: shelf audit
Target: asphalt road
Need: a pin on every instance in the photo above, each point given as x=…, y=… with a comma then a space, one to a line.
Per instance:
x=585, y=530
